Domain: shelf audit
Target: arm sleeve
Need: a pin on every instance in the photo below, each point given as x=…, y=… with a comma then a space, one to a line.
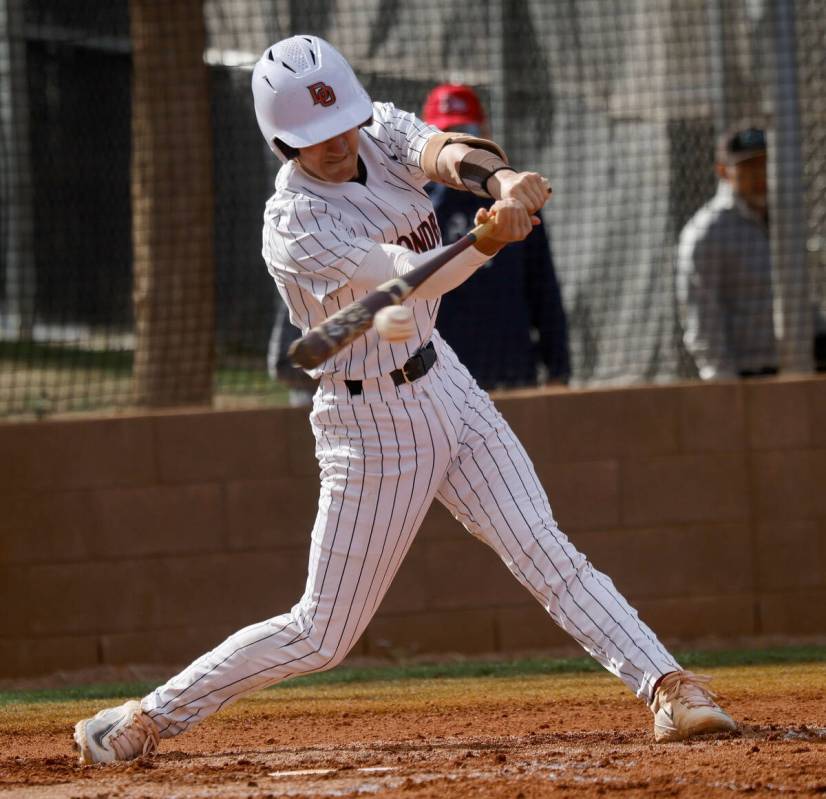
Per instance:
x=388, y=261
x=547, y=311
x=306, y=246
x=702, y=313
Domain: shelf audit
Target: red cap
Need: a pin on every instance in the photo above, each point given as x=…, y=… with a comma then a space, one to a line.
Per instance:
x=452, y=104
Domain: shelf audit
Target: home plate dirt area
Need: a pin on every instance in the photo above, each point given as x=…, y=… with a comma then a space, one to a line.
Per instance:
x=574, y=735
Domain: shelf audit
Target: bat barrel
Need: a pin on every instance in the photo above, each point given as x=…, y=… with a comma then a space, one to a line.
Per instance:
x=333, y=335
x=309, y=351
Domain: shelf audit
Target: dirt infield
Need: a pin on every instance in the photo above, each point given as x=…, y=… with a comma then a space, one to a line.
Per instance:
x=565, y=735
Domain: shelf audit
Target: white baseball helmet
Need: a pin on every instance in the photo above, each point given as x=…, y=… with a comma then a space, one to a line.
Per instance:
x=305, y=92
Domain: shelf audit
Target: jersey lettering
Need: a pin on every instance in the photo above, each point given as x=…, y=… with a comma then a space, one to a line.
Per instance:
x=425, y=237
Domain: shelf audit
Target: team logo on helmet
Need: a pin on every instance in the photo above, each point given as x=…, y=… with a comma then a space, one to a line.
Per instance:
x=322, y=94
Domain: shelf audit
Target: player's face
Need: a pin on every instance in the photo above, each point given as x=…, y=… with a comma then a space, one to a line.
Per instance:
x=334, y=160
x=748, y=179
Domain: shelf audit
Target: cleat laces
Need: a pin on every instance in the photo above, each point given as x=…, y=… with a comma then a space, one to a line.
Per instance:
x=691, y=689
x=138, y=736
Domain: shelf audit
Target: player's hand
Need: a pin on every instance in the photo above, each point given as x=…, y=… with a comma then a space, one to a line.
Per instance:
x=511, y=222
x=529, y=188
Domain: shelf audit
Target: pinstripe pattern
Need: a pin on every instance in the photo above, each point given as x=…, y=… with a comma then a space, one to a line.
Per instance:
x=384, y=456
x=316, y=234
x=387, y=453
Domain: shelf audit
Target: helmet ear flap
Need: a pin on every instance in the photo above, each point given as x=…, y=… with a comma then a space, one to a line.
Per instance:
x=287, y=153
x=283, y=150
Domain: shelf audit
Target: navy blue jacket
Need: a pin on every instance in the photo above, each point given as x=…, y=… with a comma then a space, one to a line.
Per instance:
x=507, y=318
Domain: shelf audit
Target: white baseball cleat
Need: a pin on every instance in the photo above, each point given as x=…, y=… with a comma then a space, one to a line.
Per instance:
x=117, y=733
x=683, y=706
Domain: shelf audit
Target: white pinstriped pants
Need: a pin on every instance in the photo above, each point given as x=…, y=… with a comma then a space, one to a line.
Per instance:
x=384, y=456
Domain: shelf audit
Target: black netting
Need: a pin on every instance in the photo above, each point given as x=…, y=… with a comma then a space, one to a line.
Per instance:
x=133, y=176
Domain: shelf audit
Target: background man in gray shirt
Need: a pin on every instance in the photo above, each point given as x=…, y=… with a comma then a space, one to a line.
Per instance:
x=724, y=283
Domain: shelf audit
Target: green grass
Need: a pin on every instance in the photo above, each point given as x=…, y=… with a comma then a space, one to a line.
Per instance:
x=40, y=378
x=56, y=356
x=450, y=670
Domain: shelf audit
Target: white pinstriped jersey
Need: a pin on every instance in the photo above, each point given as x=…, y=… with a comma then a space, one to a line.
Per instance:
x=317, y=233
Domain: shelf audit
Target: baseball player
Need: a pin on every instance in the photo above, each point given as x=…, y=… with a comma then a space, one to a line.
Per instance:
x=398, y=423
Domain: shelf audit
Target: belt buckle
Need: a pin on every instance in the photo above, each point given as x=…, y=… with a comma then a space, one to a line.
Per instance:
x=416, y=360
x=403, y=370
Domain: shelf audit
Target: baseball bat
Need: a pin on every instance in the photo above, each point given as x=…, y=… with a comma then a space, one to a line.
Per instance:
x=338, y=330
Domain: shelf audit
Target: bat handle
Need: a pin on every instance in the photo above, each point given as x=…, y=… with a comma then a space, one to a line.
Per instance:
x=483, y=230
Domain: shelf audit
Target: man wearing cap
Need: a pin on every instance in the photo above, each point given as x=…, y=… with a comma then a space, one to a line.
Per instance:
x=507, y=325
x=724, y=282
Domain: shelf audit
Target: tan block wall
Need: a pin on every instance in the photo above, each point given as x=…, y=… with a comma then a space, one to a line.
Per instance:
x=148, y=539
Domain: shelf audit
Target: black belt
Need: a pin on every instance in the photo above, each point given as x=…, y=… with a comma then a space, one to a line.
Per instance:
x=416, y=366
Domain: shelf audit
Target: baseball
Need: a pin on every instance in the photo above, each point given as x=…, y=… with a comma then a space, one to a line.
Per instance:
x=394, y=323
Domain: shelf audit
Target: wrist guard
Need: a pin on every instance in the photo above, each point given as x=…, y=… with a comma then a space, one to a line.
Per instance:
x=434, y=146
x=477, y=167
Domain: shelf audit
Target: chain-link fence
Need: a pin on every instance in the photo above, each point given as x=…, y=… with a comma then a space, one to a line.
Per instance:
x=133, y=175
